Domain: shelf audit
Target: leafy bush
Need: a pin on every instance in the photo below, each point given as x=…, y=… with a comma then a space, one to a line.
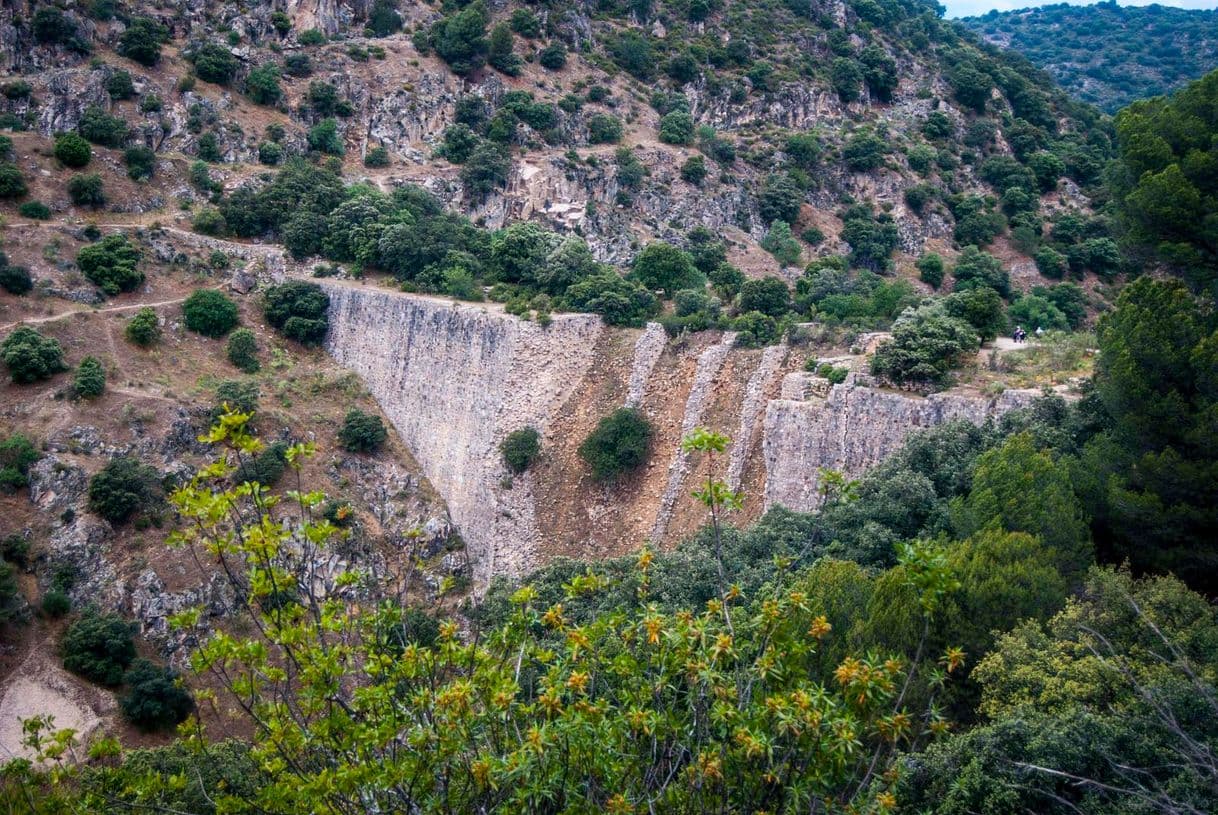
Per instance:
x=103, y=129
x=12, y=185
x=143, y=329
x=141, y=41
x=242, y=350
x=619, y=444
x=499, y=54
x=362, y=432
x=604, y=128
x=14, y=279
x=976, y=268
x=324, y=137
x=31, y=357
x=694, y=170
x=927, y=343
x=780, y=243
x=617, y=300
x=17, y=453
x=780, y=199
x=36, y=210
x=553, y=57
x=262, y=84
x=376, y=157
x=141, y=162
x=90, y=381
x=111, y=264
x=154, y=700
x=520, y=448
x=864, y=152
x=72, y=150
x=299, y=309
x=769, y=295
x=677, y=127
x=124, y=487
x=239, y=396
x=98, y=647
x=460, y=39
x=56, y=603
x=87, y=190
x=485, y=171
x=663, y=266
x=755, y=330
x=214, y=63
x=930, y=269
x=210, y=313
x=120, y=86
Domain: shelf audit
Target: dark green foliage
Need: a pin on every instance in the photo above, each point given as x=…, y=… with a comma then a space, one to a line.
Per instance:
x=879, y=72
x=617, y=300
x=123, y=488
x=459, y=143
x=1152, y=476
x=103, y=129
x=975, y=268
x=52, y=27
x=140, y=161
x=970, y=85
x=120, y=86
x=604, y=128
x=143, y=329
x=298, y=65
x=633, y=51
x=153, y=700
x=1034, y=312
x=846, y=76
x=755, y=330
x=376, y=157
x=56, y=603
x=499, y=54
x=141, y=41
x=242, y=350
x=1106, y=54
x=325, y=138
x=980, y=307
x=553, y=57
x=86, y=190
x=239, y=396
x=520, y=449
x=525, y=23
x=214, y=63
x=112, y=264
x=72, y=150
x=14, y=279
x=485, y=171
x=864, y=152
x=17, y=453
x=927, y=343
x=210, y=313
x=300, y=310
x=384, y=19
x=98, y=647
x=35, y=210
x=1166, y=181
x=619, y=444
x=663, y=266
x=780, y=199
x=271, y=153
x=12, y=185
x=830, y=293
x=460, y=38
x=930, y=269
x=311, y=36
x=677, y=127
x=768, y=295
x=90, y=381
x=939, y=126
x=1051, y=263
x=781, y=244
x=1068, y=298
x=262, y=84
x=31, y=357
x=267, y=467
x=362, y=432
x=872, y=238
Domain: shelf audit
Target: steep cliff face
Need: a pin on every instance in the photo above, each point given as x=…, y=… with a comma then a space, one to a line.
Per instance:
x=454, y=380
x=851, y=428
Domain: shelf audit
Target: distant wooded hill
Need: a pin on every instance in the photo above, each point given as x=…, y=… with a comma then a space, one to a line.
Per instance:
x=1107, y=54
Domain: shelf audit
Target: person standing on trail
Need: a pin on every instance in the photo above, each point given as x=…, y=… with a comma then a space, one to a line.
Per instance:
x=1016, y=333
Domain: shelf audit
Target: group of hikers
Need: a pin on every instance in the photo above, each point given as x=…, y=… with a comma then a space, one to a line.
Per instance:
x=1019, y=335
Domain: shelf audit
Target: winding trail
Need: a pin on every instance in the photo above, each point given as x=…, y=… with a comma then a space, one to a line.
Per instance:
x=73, y=312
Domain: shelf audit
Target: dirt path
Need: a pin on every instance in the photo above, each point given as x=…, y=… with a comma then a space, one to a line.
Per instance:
x=65, y=314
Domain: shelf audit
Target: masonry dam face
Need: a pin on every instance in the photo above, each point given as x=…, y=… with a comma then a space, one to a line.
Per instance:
x=455, y=379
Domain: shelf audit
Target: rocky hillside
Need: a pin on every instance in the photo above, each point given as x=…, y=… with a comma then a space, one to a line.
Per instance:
x=1108, y=54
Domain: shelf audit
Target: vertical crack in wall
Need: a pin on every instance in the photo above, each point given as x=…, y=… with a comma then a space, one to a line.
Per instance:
x=709, y=364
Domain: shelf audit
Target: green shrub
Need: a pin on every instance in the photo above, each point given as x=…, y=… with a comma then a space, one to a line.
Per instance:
x=214, y=63
x=98, y=647
x=154, y=699
x=141, y=162
x=90, y=381
x=325, y=138
x=694, y=170
x=36, y=210
x=617, y=300
x=619, y=444
x=31, y=357
x=930, y=269
x=604, y=128
x=362, y=432
x=242, y=350
x=12, y=185
x=485, y=170
x=553, y=57
x=210, y=313
x=72, y=150
x=677, y=127
x=111, y=264
x=927, y=343
x=103, y=129
x=56, y=603
x=141, y=41
x=87, y=190
x=16, y=550
x=520, y=449
x=143, y=329
x=300, y=310
x=267, y=467
x=311, y=36
x=780, y=199
x=123, y=488
x=120, y=86
x=769, y=295
x=262, y=84
x=755, y=330
x=209, y=148
x=209, y=221
x=15, y=279
x=17, y=453
x=377, y=157
x=239, y=396
x=663, y=266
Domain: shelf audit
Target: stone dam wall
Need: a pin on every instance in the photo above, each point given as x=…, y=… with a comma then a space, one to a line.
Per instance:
x=455, y=379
